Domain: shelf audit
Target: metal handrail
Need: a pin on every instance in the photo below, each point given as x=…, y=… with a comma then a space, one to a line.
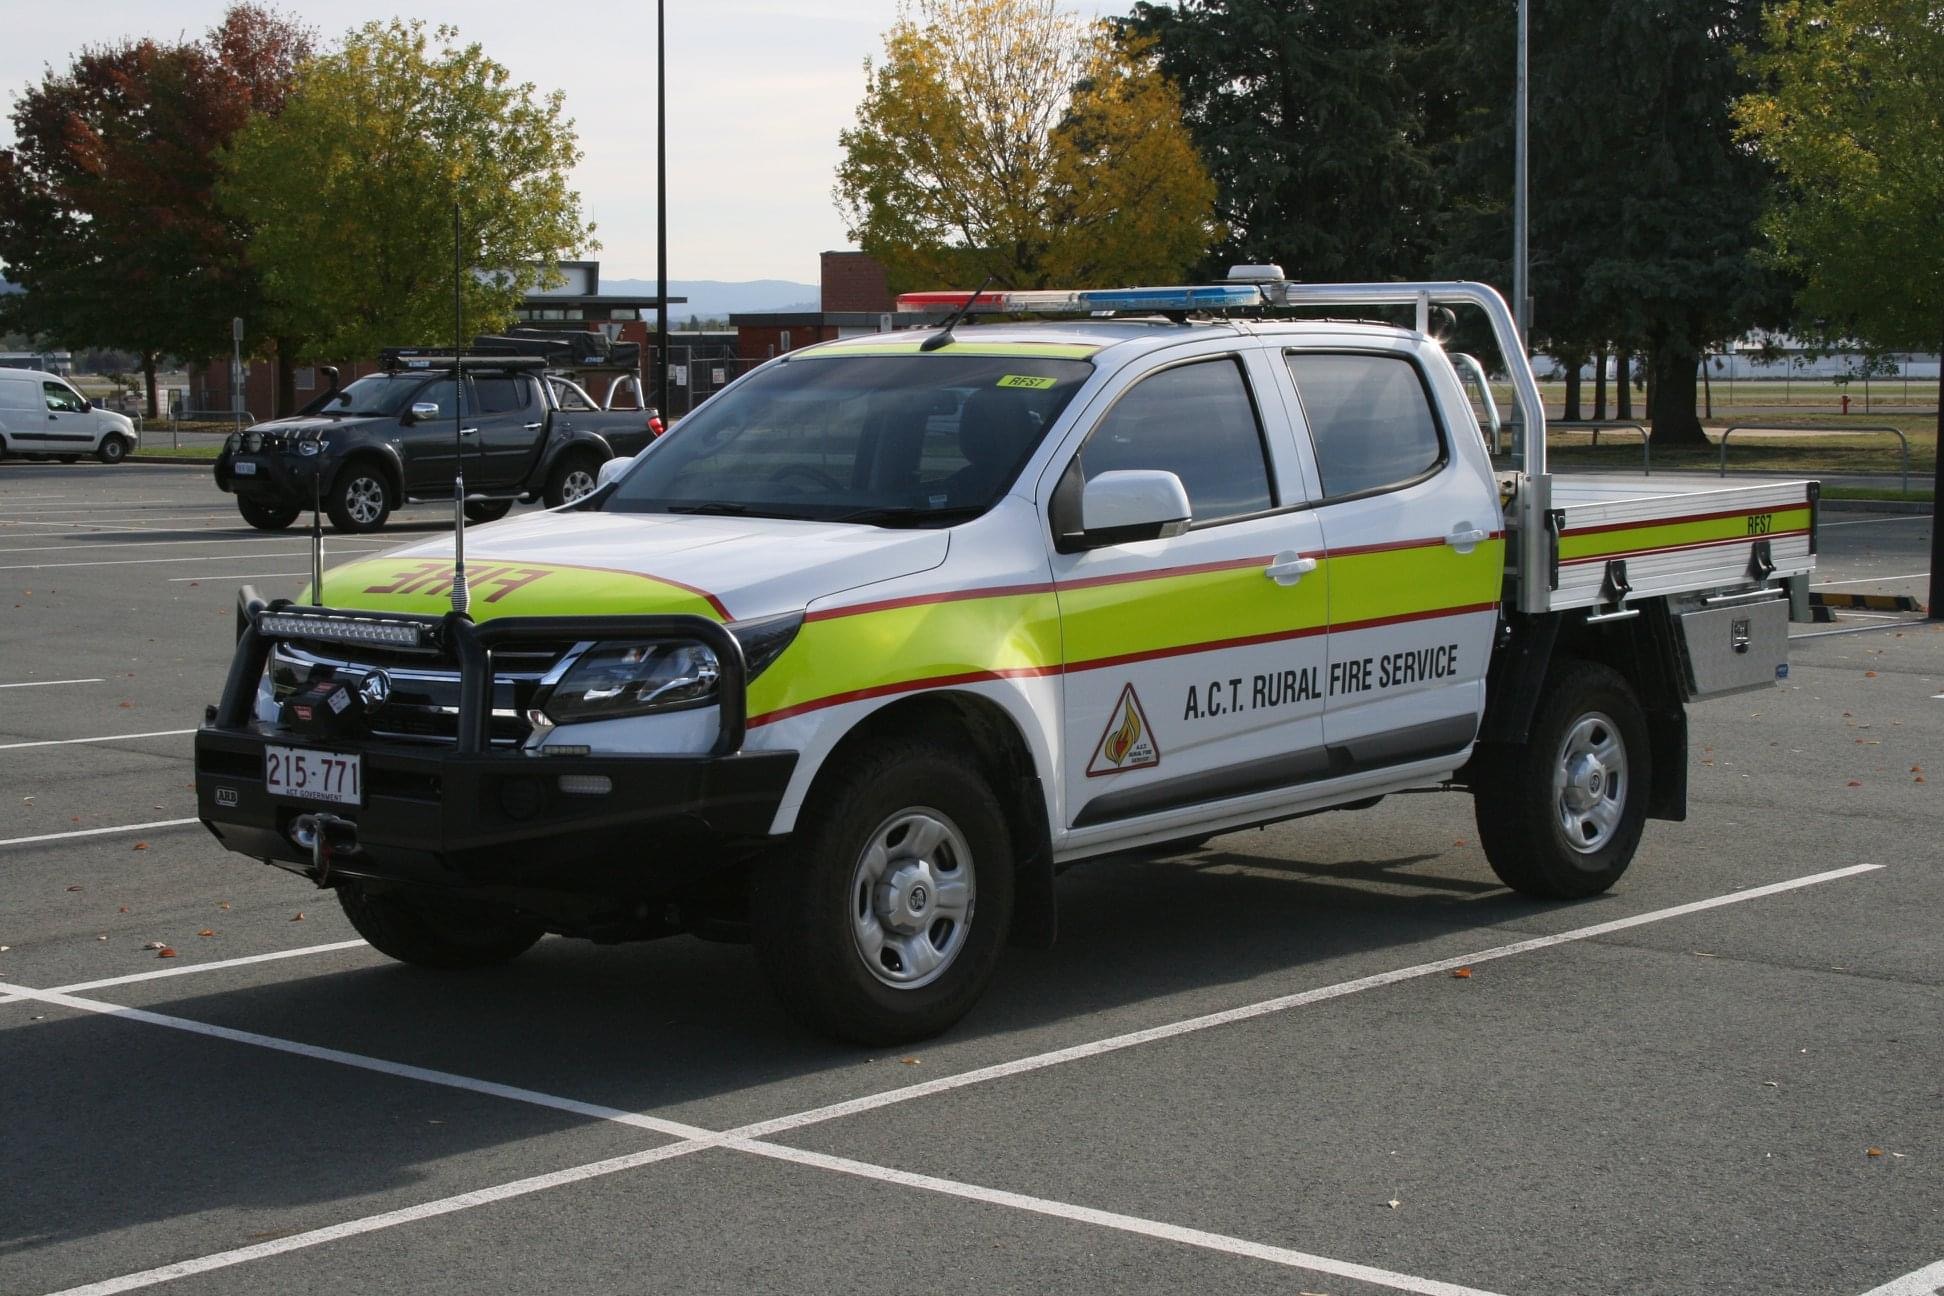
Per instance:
x=1597, y=425
x=1902, y=440
x=241, y=418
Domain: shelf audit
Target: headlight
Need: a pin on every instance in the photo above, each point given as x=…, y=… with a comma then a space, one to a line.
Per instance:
x=309, y=447
x=625, y=679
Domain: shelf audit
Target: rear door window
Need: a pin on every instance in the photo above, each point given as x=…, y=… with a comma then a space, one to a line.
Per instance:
x=503, y=395
x=1369, y=418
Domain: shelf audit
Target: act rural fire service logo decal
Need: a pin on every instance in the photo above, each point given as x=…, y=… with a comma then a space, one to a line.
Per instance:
x=1128, y=741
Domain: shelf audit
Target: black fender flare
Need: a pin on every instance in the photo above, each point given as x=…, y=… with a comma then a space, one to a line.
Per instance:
x=574, y=441
x=385, y=452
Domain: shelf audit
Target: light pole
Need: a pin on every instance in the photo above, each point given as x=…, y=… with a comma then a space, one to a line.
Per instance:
x=661, y=214
x=1521, y=301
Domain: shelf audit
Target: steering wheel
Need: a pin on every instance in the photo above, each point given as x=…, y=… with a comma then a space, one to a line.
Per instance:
x=805, y=473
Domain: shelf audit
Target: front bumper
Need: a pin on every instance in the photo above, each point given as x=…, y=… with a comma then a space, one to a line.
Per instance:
x=464, y=816
x=273, y=478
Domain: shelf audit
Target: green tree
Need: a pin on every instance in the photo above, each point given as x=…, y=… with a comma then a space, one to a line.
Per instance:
x=107, y=216
x=350, y=191
x=1324, y=124
x=1850, y=109
x=1002, y=137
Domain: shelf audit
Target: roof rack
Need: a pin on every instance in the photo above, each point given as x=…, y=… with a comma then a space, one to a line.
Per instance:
x=396, y=359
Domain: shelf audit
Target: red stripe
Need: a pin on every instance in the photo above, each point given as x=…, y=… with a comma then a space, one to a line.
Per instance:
x=1389, y=546
x=1098, y=663
x=1676, y=521
x=917, y=600
x=1666, y=549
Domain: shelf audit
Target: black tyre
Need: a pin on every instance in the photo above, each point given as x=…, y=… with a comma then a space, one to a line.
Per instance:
x=572, y=478
x=266, y=517
x=1561, y=816
x=113, y=449
x=487, y=510
x=361, y=498
x=884, y=919
x=438, y=934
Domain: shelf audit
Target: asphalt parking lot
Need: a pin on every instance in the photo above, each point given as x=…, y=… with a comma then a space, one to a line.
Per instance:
x=1252, y=1068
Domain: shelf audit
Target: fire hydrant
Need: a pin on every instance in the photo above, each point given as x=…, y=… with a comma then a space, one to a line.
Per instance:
x=1845, y=404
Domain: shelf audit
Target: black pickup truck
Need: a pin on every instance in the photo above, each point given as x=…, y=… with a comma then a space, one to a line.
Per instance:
x=389, y=437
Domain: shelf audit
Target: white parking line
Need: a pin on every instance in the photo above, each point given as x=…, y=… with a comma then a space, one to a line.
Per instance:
x=222, y=576
x=69, y=742
x=1878, y=521
x=746, y=1138
x=187, y=969
x=1925, y=1282
x=1868, y=629
x=150, y=562
x=97, y=832
x=1869, y=580
x=258, y=537
x=50, y=683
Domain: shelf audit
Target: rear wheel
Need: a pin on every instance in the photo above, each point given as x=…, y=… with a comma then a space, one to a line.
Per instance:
x=266, y=517
x=360, y=498
x=114, y=449
x=573, y=478
x=487, y=510
x=884, y=922
x=438, y=934
x=1560, y=816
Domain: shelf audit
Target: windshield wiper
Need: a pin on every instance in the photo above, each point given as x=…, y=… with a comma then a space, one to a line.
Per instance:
x=892, y=516
x=715, y=508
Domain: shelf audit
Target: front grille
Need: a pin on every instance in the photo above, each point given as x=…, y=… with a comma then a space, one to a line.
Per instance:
x=424, y=701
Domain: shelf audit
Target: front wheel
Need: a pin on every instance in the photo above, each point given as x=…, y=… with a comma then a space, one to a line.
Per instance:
x=113, y=450
x=1560, y=816
x=266, y=517
x=573, y=479
x=360, y=499
x=436, y=934
x=884, y=920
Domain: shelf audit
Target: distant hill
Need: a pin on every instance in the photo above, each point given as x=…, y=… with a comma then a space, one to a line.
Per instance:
x=717, y=299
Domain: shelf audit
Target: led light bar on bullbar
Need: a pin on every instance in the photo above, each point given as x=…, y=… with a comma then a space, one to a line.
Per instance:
x=336, y=629
x=1185, y=297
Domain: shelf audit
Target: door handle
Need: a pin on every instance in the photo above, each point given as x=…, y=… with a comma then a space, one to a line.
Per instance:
x=533, y=427
x=1288, y=568
x=468, y=432
x=1466, y=538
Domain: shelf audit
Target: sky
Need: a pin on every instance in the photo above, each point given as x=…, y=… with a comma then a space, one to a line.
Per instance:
x=757, y=93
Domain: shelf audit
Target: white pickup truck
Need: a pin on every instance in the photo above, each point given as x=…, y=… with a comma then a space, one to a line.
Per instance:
x=892, y=629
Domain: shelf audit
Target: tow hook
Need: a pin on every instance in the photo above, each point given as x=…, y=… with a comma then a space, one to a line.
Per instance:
x=325, y=836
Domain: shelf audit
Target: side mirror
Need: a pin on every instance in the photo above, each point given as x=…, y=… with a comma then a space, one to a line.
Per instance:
x=424, y=410
x=611, y=471
x=1127, y=505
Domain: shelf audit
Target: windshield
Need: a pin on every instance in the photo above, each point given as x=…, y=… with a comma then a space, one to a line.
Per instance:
x=906, y=440
x=387, y=394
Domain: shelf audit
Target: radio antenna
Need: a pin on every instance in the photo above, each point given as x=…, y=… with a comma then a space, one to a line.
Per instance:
x=461, y=596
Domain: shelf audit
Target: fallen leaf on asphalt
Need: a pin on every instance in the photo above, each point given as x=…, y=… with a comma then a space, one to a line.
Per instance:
x=910, y=1061
x=123, y=909
x=1918, y=779
x=1873, y=1152
x=128, y=706
x=297, y=917
x=1869, y=674
x=103, y=936
x=1916, y=769
x=222, y=904
x=1394, y=1203
x=1705, y=954
x=205, y=932
x=165, y=952
x=1854, y=783
x=76, y=888
x=1463, y=974
x=1771, y=1084
x=141, y=845
x=155, y=945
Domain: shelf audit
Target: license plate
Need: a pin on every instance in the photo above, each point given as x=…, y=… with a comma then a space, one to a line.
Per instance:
x=314, y=775
x=243, y=468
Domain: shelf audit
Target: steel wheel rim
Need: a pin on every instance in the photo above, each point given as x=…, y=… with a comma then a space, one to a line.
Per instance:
x=911, y=898
x=1590, y=782
x=578, y=484
x=364, y=500
x=112, y=449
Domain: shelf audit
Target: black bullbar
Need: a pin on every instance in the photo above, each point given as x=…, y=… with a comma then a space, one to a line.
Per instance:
x=467, y=814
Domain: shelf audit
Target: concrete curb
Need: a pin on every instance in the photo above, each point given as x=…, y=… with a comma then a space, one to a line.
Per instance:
x=1875, y=506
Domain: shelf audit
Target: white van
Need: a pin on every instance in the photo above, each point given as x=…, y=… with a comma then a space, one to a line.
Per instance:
x=42, y=417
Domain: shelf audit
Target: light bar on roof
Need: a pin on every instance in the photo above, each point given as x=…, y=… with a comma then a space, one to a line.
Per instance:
x=1186, y=297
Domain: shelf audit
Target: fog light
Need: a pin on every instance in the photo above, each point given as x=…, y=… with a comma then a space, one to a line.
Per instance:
x=586, y=784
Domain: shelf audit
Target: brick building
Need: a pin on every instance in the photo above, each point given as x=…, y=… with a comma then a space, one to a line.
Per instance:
x=856, y=299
